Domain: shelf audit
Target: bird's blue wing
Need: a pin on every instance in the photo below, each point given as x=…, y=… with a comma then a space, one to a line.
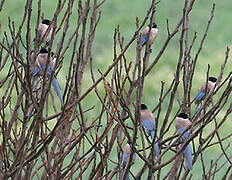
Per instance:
x=57, y=89
x=36, y=71
x=43, y=67
x=185, y=135
x=144, y=39
x=55, y=83
x=157, y=150
x=200, y=96
x=39, y=35
x=148, y=124
x=152, y=134
x=125, y=157
x=188, y=156
x=50, y=71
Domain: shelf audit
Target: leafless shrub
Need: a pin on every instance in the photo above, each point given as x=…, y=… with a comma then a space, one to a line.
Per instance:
x=39, y=140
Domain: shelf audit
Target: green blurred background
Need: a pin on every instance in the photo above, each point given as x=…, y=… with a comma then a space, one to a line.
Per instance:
x=123, y=13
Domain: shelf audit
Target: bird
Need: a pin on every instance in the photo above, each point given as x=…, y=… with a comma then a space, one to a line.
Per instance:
x=202, y=91
x=182, y=122
x=42, y=30
x=145, y=33
x=40, y=66
x=148, y=123
x=125, y=158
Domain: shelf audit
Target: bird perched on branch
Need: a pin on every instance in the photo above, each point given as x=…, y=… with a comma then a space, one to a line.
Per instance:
x=125, y=158
x=148, y=123
x=42, y=29
x=182, y=122
x=40, y=67
x=153, y=33
x=203, y=91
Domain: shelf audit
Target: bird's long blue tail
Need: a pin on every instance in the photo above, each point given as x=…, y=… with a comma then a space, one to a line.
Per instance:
x=157, y=150
x=156, y=146
x=188, y=156
x=57, y=89
x=122, y=172
x=197, y=108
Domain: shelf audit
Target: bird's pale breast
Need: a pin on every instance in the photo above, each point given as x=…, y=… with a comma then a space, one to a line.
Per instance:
x=153, y=34
x=181, y=123
x=147, y=115
x=127, y=149
x=43, y=28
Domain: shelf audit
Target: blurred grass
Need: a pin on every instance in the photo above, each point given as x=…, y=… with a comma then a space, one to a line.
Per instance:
x=124, y=12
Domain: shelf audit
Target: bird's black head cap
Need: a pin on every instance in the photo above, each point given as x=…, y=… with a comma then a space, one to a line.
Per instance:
x=143, y=106
x=46, y=21
x=154, y=25
x=183, y=115
x=212, y=79
x=43, y=51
